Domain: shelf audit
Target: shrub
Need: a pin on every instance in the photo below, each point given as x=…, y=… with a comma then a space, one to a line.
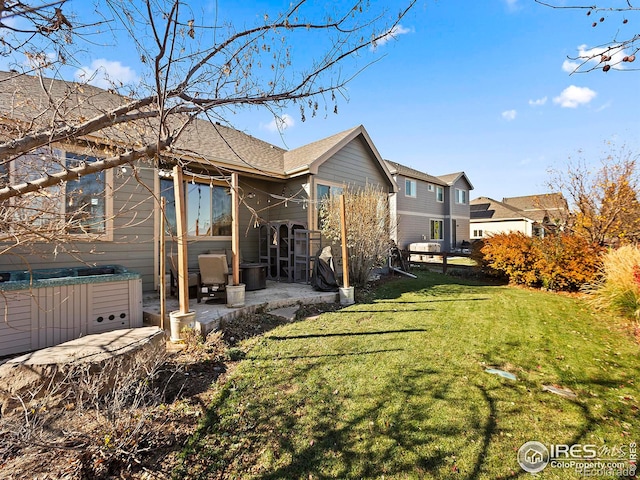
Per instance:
x=513, y=255
x=619, y=288
x=567, y=262
x=367, y=219
x=556, y=262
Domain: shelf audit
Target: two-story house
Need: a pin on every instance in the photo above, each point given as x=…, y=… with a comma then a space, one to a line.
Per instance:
x=429, y=209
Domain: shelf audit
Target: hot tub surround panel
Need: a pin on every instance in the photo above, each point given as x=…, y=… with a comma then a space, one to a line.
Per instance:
x=43, y=308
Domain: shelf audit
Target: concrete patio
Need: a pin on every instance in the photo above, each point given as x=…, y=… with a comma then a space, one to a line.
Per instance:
x=208, y=315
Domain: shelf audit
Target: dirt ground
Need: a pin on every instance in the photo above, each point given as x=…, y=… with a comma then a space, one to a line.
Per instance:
x=130, y=435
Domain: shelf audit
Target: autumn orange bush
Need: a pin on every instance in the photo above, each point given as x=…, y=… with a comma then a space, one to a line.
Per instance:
x=556, y=262
x=567, y=262
x=512, y=255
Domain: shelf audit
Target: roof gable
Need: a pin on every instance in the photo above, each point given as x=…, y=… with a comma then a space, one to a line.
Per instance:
x=308, y=158
x=452, y=178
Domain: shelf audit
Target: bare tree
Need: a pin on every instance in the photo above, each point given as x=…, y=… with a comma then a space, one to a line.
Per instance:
x=618, y=53
x=198, y=68
x=367, y=226
x=605, y=207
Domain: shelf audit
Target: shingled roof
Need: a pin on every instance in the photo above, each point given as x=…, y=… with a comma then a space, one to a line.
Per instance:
x=304, y=157
x=443, y=180
x=485, y=208
x=23, y=98
x=399, y=169
x=541, y=206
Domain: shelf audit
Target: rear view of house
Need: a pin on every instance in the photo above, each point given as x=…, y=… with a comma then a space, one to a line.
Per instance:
x=430, y=209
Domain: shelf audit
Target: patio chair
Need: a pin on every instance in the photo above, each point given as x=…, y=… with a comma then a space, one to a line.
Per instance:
x=194, y=278
x=226, y=252
x=214, y=273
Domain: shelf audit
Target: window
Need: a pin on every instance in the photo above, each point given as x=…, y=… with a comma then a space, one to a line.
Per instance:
x=436, y=230
x=439, y=194
x=410, y=188
x=430, y=187
x=208, y=209
x=167, y=192
x=85, y=198
x=477, y=233
x=323, y=192
x=461, y=196
x=81, y=205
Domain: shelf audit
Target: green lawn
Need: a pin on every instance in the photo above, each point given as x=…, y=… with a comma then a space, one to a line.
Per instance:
x=396, y=388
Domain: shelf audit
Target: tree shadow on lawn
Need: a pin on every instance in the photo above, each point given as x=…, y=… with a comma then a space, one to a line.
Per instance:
x=346, y=334
x=427, y=283
x=328, y=355
x=403, y=434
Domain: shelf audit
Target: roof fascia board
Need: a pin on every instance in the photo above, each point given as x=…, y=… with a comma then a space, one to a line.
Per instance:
x=360, y=130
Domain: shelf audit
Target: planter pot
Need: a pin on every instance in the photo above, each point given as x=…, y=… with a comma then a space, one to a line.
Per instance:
x=235, y=295
x=347, y=295
x=179, y=321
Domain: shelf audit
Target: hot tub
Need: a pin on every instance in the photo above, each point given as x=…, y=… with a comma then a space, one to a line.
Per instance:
x=43, y=308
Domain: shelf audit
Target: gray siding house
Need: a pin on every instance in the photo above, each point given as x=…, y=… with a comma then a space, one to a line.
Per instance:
x=123, y=204
x=430, y=209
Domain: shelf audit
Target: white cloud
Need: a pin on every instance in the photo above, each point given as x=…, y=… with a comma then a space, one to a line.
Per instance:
x=107, y=74
x=570, y=66
x=509, y=115
x=593, y=57
x=572, y=97
x=539, y=102
x=512, y=5
x=279, y=123
x=390, y=35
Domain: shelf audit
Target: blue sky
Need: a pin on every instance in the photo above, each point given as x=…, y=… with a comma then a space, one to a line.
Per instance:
x=482, y=87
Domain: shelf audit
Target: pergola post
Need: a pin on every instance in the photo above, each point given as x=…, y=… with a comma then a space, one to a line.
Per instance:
x=181, y=221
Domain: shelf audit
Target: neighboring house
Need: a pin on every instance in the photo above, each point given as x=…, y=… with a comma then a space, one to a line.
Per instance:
x=430, y=209
x=124, y=221
x=533, y=215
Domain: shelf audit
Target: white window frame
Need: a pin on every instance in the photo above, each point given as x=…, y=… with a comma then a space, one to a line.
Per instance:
x=412, y=190
x=461, y=196
x=430, y=187
x=440, y=194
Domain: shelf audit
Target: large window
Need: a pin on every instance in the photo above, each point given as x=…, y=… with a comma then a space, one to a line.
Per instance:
x=410, y=188
x=436, y=230
x=323, y=192
x=439, y=194
x=85, y=198
x=208, y=209
x=461, y=196
x=79, y=206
